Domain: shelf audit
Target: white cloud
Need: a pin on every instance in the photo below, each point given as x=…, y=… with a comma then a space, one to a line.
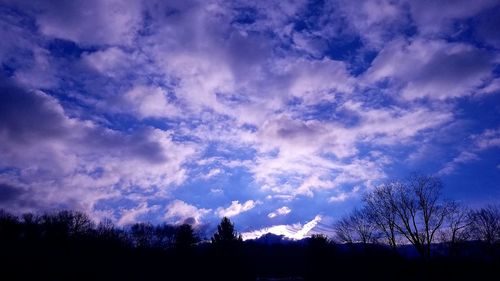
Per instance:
x=179, y=211
x=236, y=208
x=110, y=62
x=212, y=173
x=488, y=139
x=280, y=212
x=492, y=87
x=293, y=152
x=150, y=101
x=217, y=191
x=463, y=157
x=131, y=215
x=342, y=196
x=317, y=81
x=339, y=198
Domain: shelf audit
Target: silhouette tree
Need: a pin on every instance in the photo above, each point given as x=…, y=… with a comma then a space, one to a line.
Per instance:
x=31, y=227
x=486, y=224
x=109, y=233
x=419, y=210
x=226, y=234
x=185, y=237
x=165, y=235
x=458, y=222
x=142, y=234
x=319, y=240
x=67, y=224
x=381, y=213
x=357, y=227
x=412, y=208
x=9, y=227
x=344, y=231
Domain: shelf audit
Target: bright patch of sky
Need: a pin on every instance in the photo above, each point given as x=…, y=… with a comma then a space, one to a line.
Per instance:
x=278, y=114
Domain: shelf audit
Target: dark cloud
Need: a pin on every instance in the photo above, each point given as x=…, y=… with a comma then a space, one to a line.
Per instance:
x=433, y=68
x=487, y=26
x=29, y=116
x=8, y=193
x=439, y=16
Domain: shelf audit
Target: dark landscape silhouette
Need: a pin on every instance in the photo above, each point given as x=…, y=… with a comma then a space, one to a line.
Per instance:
x=404, y=231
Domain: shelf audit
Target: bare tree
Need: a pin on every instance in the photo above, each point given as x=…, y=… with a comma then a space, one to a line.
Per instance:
x=458, y=222
x=486, y=224
x=357, y=227
x=380, y=211
x=343, y=230
x=67, y=223
x=420, y=212
x=412, y=208
x=365, y=230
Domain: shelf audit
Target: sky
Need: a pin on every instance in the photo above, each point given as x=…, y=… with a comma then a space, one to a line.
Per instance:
x=277, y=114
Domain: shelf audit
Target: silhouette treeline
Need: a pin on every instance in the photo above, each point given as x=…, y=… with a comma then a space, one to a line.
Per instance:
x=413, y=211
x=404, y=231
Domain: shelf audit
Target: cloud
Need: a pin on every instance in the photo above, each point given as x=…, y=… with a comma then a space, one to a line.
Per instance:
x=212, y=173
x=463, y=157
x=150, y=101
x=76, y=163
x=492, y=87
x=113, y=61
x=90, y=22
x=339, y=198
x=317, y=81
x=102, y=101
x=236, y=208
x=279, y=212
x=217, y=191
x=179, y=212
x=374, y=21
x=131, y=216
x=9, y=193
x=489, y=138
x=432, y=68
x=438, y=17
x=296, y=156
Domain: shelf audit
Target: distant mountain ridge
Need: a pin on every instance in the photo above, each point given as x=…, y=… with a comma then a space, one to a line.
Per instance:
x=295, y=231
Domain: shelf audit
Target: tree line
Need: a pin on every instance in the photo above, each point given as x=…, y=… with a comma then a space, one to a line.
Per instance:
x=69, y=245
x=414, y=211
x=65, y=225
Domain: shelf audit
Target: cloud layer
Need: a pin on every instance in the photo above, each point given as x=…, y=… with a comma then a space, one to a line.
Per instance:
x=267, y=113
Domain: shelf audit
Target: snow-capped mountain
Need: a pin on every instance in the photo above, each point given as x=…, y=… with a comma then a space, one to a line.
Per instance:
x=294, y=231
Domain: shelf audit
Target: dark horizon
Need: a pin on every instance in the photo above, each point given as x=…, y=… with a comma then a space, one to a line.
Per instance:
x=68, y=245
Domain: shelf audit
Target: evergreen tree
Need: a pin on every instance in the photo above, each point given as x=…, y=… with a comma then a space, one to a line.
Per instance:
x=226, y=234
x=185, y=236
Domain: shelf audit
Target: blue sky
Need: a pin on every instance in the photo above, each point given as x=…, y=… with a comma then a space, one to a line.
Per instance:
x=274, y=113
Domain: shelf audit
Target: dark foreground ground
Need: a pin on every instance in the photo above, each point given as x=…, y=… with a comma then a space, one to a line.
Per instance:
x=84, y=258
